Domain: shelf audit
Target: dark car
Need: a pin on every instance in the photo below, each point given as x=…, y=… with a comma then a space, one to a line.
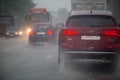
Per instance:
x=92, y=36
x=41, y=32
x=13, y=32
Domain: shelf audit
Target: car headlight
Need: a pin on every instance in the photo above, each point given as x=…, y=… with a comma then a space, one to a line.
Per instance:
x=28, y=30
x=7, y=33
x=20, y=33
x=16, y=33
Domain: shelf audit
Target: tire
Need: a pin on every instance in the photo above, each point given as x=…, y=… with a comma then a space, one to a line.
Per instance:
x=111, y=67
x=61, y=58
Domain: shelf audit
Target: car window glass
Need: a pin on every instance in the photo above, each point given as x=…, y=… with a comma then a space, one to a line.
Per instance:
x=92, y=21
x=42, y=26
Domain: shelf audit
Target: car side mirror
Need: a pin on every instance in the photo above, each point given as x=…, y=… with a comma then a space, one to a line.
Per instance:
x=59, y=25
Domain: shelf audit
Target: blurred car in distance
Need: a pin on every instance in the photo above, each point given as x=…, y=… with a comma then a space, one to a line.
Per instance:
x=92, y=36
x=41, y=32
x=59, y=26
x=13, y=32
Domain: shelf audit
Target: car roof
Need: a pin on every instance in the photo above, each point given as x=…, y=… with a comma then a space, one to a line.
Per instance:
x=50, y=25
x=42, y=23
x=92, y=12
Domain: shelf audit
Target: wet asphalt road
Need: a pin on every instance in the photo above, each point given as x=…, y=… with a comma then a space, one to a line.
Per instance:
x=21, y=61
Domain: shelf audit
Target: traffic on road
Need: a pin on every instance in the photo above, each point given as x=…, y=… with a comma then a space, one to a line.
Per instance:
x=59, y=40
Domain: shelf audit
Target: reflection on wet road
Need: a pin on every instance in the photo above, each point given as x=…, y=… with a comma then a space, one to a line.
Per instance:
x=21, y=61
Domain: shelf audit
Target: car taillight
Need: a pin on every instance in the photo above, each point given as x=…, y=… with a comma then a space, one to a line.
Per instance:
x=50, y=32
x=31, y=32
x=69, y=32
x=112, y=33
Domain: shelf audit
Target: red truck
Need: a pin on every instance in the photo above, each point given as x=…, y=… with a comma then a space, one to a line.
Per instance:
x=42, y=17
x=38, y=15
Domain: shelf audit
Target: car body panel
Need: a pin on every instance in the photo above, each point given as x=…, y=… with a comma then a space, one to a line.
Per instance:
x=42, y=34
x=90, y=36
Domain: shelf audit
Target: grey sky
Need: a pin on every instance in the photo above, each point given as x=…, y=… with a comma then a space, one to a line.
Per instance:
x=53, y=5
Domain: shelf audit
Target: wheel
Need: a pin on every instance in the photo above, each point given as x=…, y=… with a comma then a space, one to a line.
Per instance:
x=111, y=67
x=61, y=58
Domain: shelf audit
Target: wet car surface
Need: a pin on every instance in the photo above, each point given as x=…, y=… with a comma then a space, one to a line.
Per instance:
x=96, y=41
x=90, y=42
x=42, y=32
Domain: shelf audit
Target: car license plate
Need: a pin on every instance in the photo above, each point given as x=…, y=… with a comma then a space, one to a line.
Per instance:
x=11, y=34
x=90, y=37
x=40, y=33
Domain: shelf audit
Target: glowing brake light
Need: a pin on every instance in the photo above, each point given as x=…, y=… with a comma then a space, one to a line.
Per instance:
x=114, y=33
x=69, y=32
x=50, y=32
x=31, y=32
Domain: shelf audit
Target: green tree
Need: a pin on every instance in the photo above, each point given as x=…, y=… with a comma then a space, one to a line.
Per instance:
x=17, y=8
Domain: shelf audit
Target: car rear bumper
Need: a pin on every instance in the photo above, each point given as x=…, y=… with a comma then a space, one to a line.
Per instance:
x=88, y=52
x=38, y=38
x=90, y=56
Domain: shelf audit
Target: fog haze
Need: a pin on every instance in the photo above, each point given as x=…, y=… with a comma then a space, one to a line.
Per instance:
x=53, y=5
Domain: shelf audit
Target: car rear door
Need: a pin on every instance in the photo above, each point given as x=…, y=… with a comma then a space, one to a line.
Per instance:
x=91, y=32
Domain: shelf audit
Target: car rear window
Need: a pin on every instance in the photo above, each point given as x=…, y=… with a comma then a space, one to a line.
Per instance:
x=42, y=26
x=91, y=21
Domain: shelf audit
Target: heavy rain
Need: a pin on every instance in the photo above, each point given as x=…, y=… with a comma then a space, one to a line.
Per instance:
x=59, y=40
